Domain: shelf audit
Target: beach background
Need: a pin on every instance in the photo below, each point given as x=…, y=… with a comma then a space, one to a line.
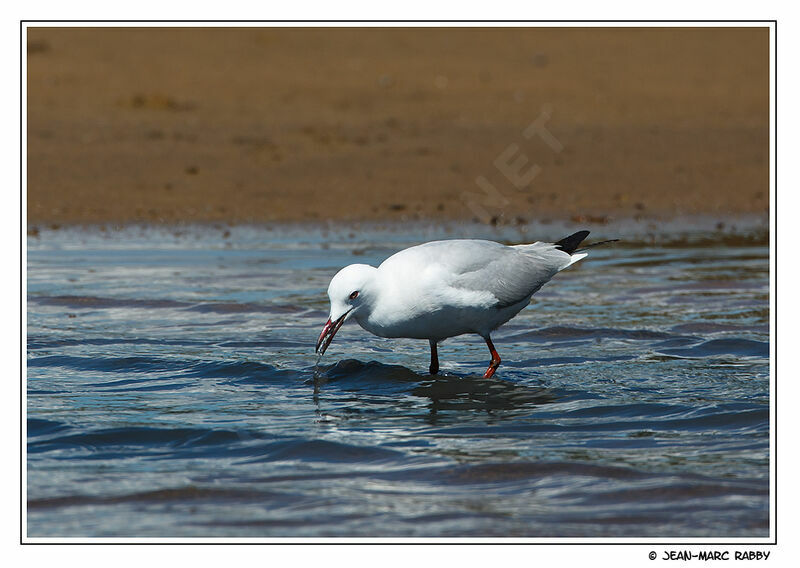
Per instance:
x=502, y=125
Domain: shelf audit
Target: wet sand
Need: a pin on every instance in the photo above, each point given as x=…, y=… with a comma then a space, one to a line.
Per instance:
x=130, y=125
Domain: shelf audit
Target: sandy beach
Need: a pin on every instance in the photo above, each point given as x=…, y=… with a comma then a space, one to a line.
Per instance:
x=130, y=125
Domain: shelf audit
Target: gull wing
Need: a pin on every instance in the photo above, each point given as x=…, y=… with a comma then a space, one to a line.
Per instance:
x=507, y=275
x=515, y=273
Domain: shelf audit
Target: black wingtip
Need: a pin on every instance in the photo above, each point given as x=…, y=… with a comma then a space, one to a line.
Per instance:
x=570, y=243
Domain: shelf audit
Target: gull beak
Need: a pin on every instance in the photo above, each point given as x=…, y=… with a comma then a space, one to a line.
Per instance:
x=330, y=329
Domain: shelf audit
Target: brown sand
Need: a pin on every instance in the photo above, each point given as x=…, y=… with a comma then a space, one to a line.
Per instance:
x=252, y=125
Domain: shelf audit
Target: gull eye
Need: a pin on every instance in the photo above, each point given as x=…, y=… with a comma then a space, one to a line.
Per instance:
x=354, y=295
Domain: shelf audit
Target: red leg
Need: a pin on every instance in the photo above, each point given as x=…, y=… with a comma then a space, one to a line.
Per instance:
x=434, y=358
x=495, y=359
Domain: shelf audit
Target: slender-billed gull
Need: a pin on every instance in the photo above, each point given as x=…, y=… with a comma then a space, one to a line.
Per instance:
x=446, y=288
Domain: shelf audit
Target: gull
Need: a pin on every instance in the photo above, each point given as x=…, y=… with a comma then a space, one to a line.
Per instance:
x=442, y=289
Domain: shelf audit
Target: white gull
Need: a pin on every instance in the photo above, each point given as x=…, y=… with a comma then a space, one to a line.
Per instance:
x=446, y=288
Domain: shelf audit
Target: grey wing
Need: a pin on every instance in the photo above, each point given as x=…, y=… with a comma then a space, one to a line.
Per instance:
x=510, y=274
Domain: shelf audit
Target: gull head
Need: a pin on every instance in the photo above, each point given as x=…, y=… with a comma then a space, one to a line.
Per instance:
x=349, y=291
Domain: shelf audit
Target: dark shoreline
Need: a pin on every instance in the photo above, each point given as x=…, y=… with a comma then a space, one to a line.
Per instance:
x=687, y=230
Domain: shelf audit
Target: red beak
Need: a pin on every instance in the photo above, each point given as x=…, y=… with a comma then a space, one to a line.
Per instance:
x=330, y=329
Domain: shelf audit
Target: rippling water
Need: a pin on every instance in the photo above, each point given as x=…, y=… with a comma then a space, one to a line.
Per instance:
x=172, y=392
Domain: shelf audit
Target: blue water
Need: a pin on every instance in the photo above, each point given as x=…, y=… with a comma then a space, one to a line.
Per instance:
x=171, y=391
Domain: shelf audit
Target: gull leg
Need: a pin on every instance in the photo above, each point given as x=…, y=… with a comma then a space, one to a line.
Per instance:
x=434, y=358
x=495, y=359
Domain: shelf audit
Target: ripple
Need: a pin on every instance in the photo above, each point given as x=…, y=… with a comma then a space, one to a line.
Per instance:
x=727, y=346
x=563, y=333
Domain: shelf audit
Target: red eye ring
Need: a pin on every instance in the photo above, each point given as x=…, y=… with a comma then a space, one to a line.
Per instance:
x=354, y=295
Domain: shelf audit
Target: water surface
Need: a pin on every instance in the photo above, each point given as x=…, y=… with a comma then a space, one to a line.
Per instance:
x=171, y=391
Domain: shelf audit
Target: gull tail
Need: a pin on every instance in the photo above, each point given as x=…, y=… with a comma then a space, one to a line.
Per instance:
x=571, y=243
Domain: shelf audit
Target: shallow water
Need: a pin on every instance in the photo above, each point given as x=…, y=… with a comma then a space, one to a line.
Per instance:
x=171, y=392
